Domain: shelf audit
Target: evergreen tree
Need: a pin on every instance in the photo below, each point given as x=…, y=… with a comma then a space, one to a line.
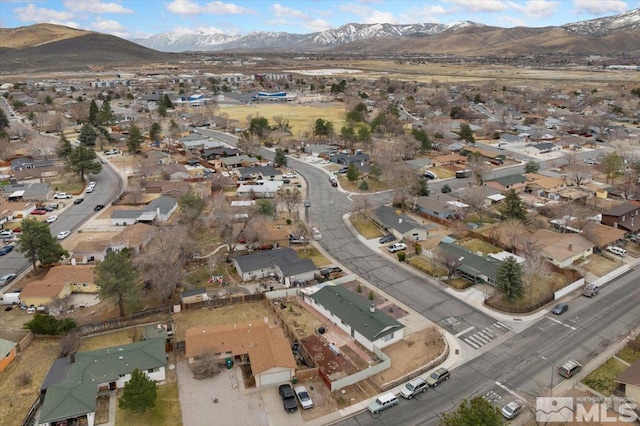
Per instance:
x=64, y=148
x=531, y=167
x=466, y=134
x=37, y=243
x=260, y=127
x=322, y=128
x=422, y=137
x=352, y=173
x=134, y=142
x=88, y=135
x=106, y=115
x=155, y=132
x=4, y=123
x=117, y=279
x=348, y=135
x=139, y=393
x=509, y=279
x=513, y=207
x=420, y=187
x=82, y=160
x=280, y=159
x=93, y=113
x=375, y=172
x=477, y=412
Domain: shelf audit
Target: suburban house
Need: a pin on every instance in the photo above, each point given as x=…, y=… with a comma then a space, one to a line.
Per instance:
x=90, y=250
x=623, y=216
x=546, y=147
x=487, y=194
x=60, y=282
x=175, y=171
x=401, y=225
x=600, y=235
x=283, y=263
x=260, y=172
x=69, y=391
x=16, y=209
x=22, y=163
x=503, y=184
x=219, y=152
x=628, y=383
x=543, y=185
x=473, y=267
x=260, y=189
x=35, y=175
x=194, y=295
x=8, y=352
x=266, y=349
x=157, y=156
x=443, y=206
x=28, y=192
x=237, y=161
x=346, y=159
x=355, y=315
x=562, y=249
x=159, y=209
x=449, y=159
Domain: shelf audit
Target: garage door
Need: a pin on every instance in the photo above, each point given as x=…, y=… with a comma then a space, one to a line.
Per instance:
x=275, y=378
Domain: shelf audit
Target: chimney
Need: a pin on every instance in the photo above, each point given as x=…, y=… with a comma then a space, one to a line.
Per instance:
x=372, y=308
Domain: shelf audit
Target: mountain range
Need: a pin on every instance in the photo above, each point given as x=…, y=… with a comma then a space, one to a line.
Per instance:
x=572, y=35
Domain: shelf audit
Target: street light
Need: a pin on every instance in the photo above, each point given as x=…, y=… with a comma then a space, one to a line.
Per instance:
x=552, y=368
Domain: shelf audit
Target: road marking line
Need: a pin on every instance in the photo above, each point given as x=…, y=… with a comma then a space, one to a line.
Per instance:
x=486, y=331
x=502, y=325
x=482, y=339
x=464, y=331
x=510, y=391
x=561, y=323
x=470, y=343
x=478, y=341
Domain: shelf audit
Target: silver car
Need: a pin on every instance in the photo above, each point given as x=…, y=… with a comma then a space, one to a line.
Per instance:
x=512, y=410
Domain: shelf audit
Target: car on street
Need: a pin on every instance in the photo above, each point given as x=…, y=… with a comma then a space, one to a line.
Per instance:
x=512, y=410
x=61, y=195
x=6, y=279
x=590, y=290
x=78, y=200
x=63, y=234
x=414, y=387
x=49, y=208
x=39, y=212
x=89, y=189
x=6, y=249
x=560, y=308
x=52, y=219
x=383, y=402
x=396, y=247
x=98, y=207
x=437, y=377
x=288, y=398
x=303, y=396
x=387, y=239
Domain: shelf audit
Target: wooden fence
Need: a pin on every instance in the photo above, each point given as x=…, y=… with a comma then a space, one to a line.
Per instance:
x=120, y=322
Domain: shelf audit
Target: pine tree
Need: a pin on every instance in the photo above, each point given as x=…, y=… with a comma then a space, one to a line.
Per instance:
x=512, y=207
x=466, y=134
x=106, y=115
x=82, y=160
x=280, y=160
x=509, y=279
x=93, y=112
x=116, y=279
x=155, y=132
x=64, y=148
x=135, y=139
x=88, y=135
x=140, y=393
x=352, y=173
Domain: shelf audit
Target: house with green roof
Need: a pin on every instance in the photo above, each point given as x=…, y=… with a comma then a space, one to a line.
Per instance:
x=472, y=267
x=70, y=389
x=356, y=316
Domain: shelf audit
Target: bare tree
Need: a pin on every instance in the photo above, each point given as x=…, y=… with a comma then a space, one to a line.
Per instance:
x=577, y=171
x=70, y=343
x=291, y=199
x=135, y=189
x=449, y=260
x=223, y=219
x=513, y=230
x=207, y=366
x=362, y=207
x=477, y=164
x=400, y=178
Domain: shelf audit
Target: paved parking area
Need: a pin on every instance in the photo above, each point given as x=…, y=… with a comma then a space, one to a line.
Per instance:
x=235, y=405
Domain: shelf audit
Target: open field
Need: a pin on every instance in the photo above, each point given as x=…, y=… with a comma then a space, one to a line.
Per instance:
x=33, y=362
x=165, y=413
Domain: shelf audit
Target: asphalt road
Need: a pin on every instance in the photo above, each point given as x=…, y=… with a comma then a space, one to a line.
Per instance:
x=108, y=187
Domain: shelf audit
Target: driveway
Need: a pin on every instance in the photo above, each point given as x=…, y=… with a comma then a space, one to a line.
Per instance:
x=235, y=405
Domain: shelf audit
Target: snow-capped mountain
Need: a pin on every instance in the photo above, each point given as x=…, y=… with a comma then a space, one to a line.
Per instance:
x=348, y=33
x=604, y=26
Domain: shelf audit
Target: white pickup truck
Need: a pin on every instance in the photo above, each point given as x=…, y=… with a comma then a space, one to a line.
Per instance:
x=59, y=195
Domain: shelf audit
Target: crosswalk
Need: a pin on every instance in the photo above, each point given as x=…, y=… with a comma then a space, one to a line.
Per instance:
x=484, y=336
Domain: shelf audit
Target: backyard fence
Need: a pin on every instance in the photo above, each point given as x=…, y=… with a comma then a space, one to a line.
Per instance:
x=224, y=301
x=336, y=385
x=114, y=323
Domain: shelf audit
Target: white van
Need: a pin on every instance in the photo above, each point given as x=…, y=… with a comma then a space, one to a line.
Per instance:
x=382, y=402
x=12, y=298
x=6, y=235
x=617, y=250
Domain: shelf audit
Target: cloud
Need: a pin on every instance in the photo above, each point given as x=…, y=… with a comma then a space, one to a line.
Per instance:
x=426, y=13
x=109, y=26
x=536, y=8
x=601, y=7
x=186, y=7
x=474, y=6
x=95, y=6
x=317, y=25
x=286, y=12
x=201, y=30
x=31, y=13
x=513, y=21
x=369, y=15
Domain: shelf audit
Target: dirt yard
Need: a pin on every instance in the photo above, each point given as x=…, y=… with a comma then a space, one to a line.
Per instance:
x=33, y=364
x=411, y=353
x=599, y=265
x=106, y=340
x=299, y=320
x=242, y=312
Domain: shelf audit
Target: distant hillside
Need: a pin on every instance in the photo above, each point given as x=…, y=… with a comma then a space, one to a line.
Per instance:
x=70, y=49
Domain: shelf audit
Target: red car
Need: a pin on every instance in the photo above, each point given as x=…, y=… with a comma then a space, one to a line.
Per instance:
x=39, y=212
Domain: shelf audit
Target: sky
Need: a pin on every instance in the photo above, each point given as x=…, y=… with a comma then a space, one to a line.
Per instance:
x=141, y=18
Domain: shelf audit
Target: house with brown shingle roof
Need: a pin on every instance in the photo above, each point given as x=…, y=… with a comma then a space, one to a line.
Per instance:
x=562, y=249
x=628, y=382
x=265, y=348
x=623, y=216
x=90, y=250
x=135, y=237
x=59, y=282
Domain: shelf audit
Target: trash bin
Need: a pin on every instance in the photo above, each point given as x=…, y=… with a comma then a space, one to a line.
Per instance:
x=294, y=380
x=229, y=363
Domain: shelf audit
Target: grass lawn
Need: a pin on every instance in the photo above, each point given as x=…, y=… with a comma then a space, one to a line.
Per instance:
x=314, y=254
x=480, y=246
x=426, y=266
x=601, y=380
x=105, y=340
x=67, y=183
x=458, y=283
x=628, y=355
x=166, y=412
x=374, y=186
x=365, y=227
x=532, y=297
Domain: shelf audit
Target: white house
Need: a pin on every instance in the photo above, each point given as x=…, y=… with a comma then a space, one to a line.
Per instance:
x=159, y=209
x=283, y=263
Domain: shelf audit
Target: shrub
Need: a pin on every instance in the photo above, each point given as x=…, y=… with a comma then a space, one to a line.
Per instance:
x=402, y=256
x=363, y=186
x=288, y=221
x=418, y=248
x=359, y=288
x=371, y=295
x=46, y=324
x=23, y=379
x=207, y=367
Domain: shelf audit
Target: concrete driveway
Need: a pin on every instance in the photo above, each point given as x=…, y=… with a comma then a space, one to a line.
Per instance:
x=235, y=405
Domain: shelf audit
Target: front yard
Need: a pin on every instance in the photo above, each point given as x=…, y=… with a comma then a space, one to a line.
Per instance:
x=165, y=413
x=602, y=379
x=365, y=227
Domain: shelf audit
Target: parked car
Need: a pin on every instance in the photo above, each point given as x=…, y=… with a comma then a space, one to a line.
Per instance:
x=512, y=410
x=288, y=398
x=569, y=368
x=560, y=308
x=6, y=249
x=333, y=181
x=98, y=207
x=39, y=212
x=49, y=208
x=429, y=175
x=414, y=387
x=52, y=219
x=396, y=247
x=6, y=235
x=89, y=189
x=387, y=239
x=303, y=396
x=6, y=279
x=61, y=195
x=64, y=234
x=438, y=376
x=78, y=200
x=590, y=290
x=383, y=402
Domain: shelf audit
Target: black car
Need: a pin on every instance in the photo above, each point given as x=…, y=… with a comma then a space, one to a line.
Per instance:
x=98, y=207
x=288, y=398
x=387, y=239
x=560, y=308
x=78, y=200
x=6, y=249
